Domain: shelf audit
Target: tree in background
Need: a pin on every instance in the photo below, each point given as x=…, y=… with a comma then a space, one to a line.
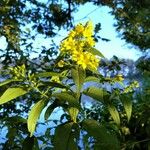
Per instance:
x=20, y=23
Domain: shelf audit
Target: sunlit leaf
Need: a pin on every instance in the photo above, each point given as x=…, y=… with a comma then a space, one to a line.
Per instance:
x=48, y=74
x=96, y=93
x=73, y=112
x=7, y=81
x=12, y=93
x=92, y=79
x=94, y=51
x=78, y=75
x=114, y=113
x=34, y=115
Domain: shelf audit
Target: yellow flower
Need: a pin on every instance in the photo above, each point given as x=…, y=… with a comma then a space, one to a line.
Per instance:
x=67, y=44
x=79, y=29
x=72, y=34
x=88, y=32
x=93, y=63
x=90, y=41
x=76, y=44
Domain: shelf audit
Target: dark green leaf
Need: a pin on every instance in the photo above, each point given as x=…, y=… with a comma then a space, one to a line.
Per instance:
x=104, y=140
x=64, y=139
x=67, y=97
x=54, y=84
x=48, y=112
x=30, y=143
x=16, y=119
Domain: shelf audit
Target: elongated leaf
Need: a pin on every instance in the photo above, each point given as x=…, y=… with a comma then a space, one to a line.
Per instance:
x=67, y=97
x=30, y=143
x=15, y=120
x=114, y=113
x=63, y=139
x=48, y=74
x=127, y=104
x=104, y=140
x=34, y=115
x=92, y=79
x=54, y=84
x=12, y=93
x=48, y=112
x=73, y=112
x=94, y=51
x=7, y=82
x=78, y=75
x=96, y=93
x=71, y=143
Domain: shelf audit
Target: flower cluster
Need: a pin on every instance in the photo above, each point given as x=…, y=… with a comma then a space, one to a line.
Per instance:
x=77, y=44
x=131, y=87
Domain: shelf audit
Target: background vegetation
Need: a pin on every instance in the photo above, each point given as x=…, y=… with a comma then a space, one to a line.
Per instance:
x=118, y=115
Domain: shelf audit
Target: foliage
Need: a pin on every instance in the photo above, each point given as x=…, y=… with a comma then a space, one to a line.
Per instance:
x=64, y=87
x=132, y=21
x=28, y=89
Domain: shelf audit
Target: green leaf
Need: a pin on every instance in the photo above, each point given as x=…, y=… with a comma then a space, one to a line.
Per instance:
x=30, y=143
x=54, y=84
x=92, y=79
x=8, y=81
x=127, y=104
x=94, y=51
x=71, y=143
x=73, y=112
x=63, y=138
x=104, y=140
x=15, y=119
x=78, y=75
x=34, y=115
x=48, y=112
x=96, y=93
x=12, y=93
x=67, y=97
x=114, y=113
x=11, y=134
x=48, y=74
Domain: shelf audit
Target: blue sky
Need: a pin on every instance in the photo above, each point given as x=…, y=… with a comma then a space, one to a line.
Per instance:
x=101, y=15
